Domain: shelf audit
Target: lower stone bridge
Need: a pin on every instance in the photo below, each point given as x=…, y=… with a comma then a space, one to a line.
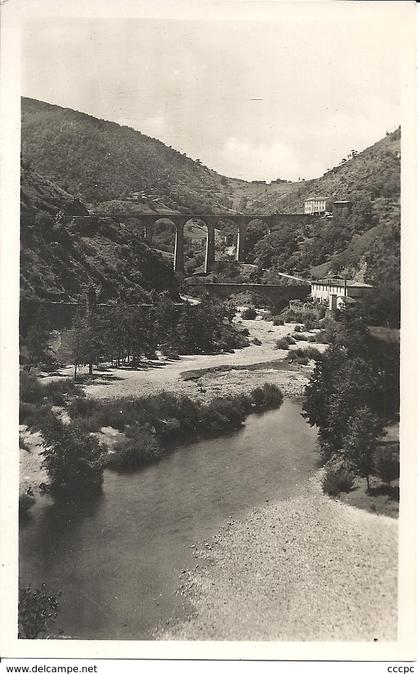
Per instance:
x=276, y=296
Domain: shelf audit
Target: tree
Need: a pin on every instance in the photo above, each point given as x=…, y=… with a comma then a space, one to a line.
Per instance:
x=88, y=336
x=363, y=431
x=38, y=350
x=36, y=611
x=73, y=460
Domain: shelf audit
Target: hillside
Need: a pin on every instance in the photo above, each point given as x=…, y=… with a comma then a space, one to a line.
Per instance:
x=100, y=161
x=112, y=168
x=362, y=241
x=375, y=170
x=61, y=254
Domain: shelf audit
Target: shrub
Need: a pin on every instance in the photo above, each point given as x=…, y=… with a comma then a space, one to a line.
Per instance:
x=221, y=413
x=312, y=353
x=278, y=321
x=272, y=395
x=36, y=611
x=298, y=328
x=300, y=337
x=266, y=396
x=26, y=501
x=302, y=356
x=249, y=314
x=82, y=407
x=290, y=339
x=321, y=337
x=73, y=460
x=336, y=479
x=31, y=390
x=169, y=351
x=29, y=414
x=386, y=464
x=58, y=392
x=311, y=339
x=311, y=324
x=137, y=451
x=282, y=344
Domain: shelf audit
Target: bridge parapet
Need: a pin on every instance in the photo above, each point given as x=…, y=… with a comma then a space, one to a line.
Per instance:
x=277, y=296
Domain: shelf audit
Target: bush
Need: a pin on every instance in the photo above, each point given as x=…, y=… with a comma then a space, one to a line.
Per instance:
x=311, y=339
x=321, y=337
x=302, y=356
x=82, y=407
x=58, y=392
x=282, y=344
x=266, y=396
x=278, y=321
x=31, y=390
x=29, y=414
x=298, y=328
x=336, y=479
x=73, y=460
x=140, y=450
x=26, y=501
x=169, y=351
x=249, y=314
x=37, y=610
x=273, y=396
x=290, y=339
x=300, y=337
x=386, y=463
x=311, y=324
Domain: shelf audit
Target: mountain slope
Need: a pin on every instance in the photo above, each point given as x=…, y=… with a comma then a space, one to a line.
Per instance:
x=99, y=161
x=363, y=240
x=61, y=254
x=375, y=170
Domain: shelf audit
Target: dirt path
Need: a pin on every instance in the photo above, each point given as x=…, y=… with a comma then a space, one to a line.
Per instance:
x=309, y=568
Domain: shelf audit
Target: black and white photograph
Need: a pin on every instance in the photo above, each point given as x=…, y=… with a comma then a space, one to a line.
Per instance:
x=209, y=434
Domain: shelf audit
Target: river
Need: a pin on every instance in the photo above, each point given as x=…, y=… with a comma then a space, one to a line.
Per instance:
x=117, y=559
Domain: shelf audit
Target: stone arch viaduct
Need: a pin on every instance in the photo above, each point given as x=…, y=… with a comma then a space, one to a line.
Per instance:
x=273, y=222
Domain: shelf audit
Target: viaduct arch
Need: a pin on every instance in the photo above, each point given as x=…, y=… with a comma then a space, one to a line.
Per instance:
x=273, y=222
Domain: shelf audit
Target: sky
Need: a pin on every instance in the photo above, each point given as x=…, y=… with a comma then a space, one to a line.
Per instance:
x=283, y=96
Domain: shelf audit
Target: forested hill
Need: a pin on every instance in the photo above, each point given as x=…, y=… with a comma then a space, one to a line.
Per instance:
x=362, y=242
x=373, y=173
x=98, y=161
x=62, y=255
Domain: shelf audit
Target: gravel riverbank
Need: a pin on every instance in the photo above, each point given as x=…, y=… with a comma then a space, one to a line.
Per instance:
x=243, y=370
x=308, y=568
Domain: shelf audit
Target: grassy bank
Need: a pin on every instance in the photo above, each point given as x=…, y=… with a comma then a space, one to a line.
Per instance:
x=75, y=429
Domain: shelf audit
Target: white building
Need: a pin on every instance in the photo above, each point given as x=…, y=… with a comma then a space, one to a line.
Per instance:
x=315, y=205
x=332, y=291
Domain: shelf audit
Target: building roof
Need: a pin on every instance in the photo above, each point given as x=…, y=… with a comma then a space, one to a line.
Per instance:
x=314, y=198
x=356, y=284
x=338, y=281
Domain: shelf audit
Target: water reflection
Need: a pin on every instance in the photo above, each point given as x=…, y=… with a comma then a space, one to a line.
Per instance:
x=117, y=558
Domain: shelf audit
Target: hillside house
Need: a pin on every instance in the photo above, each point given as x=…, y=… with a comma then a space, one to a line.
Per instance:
x=341, y=205
x=315, y=205
x=333, y=291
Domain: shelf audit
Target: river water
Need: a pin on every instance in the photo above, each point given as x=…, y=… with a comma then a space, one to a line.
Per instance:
x=117, y=559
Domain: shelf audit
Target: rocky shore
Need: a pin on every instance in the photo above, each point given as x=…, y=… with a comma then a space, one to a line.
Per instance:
x=308, y=568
